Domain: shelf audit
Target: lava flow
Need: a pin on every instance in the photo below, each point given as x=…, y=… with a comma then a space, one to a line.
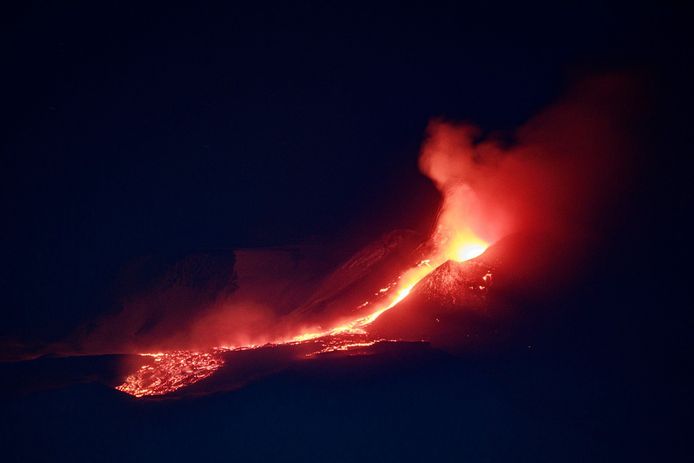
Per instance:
x=170, y=371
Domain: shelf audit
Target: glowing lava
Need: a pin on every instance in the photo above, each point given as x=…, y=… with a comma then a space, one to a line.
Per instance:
x=171, y=371
x=466, y=246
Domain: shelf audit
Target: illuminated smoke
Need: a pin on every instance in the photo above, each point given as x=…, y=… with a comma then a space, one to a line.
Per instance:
x=556, y=176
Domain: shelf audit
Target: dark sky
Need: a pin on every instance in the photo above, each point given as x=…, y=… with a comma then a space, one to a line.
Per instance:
x=131, y=130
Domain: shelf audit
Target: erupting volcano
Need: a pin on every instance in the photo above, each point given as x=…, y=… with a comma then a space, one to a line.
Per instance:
x=169, y=371
x=548, y=183
x=455, y=238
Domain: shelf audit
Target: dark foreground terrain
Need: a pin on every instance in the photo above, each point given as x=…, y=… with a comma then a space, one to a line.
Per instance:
x=404, y=402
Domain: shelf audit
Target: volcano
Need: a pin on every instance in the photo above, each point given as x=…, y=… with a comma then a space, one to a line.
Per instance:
x=455, y=287
x=455, y=307
x=336, y=317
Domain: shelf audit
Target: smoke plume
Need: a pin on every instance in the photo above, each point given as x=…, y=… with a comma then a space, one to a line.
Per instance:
x=554, y=176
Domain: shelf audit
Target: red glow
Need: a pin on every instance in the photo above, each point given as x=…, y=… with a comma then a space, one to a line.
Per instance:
x=550, y=182
x=170, y=371
x=173, y=370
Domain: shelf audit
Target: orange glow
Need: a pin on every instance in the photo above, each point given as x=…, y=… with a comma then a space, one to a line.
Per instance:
x=170, y=371
x=465, y=246
x=339, y=345
x=173, y=370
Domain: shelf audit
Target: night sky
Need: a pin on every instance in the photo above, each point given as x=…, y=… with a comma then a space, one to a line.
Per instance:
x=133, y=130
